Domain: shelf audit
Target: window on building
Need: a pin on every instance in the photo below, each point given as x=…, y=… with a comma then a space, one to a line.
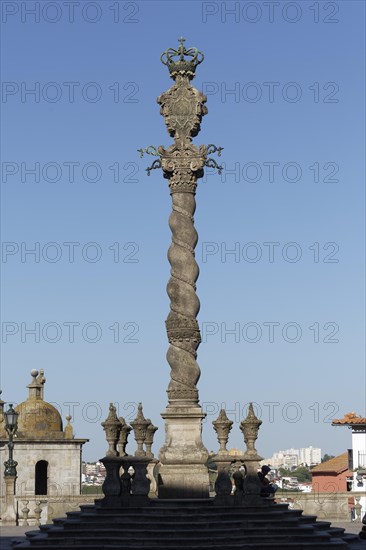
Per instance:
x=350, y=459
x=349, y=483
x=41, y=477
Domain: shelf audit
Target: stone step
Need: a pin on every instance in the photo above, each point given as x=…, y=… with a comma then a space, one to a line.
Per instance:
x=331, y=545
x=351, y=538
x=131, y=516
x=306, y=517
x=321, y=524
x=233, y=519
x=184, y=515
x=186, y=542
x=166, y=506
x=195, y=525
x=123, y=522
x=217, y=533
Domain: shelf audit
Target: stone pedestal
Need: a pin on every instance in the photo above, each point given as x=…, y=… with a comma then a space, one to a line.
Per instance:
x=124, y=490
x=183, y=472
x=252, y=485
x=9, y=517
x=223, y=485
x=112, y=486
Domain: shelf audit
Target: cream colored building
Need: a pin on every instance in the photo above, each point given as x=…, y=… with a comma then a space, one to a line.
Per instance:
x=48, y=456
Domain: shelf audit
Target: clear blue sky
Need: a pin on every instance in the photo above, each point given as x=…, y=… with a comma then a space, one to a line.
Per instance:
x=293, y=132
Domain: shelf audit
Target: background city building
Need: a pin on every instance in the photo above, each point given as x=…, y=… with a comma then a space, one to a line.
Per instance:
x=292, y=458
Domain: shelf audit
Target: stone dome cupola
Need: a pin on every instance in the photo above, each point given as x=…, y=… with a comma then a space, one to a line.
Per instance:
x=37, y=418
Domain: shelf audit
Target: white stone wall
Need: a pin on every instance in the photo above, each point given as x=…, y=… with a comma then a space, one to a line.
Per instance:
x=358, y=446
x=64, y=463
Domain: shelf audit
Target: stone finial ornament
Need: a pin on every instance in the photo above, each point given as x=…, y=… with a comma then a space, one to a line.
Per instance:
x=139, y=426
x=69, y=433
x=150, y=432
x=123, y=436
x=36, y=386
x=41, y=380
x=222, y=426
x=112, y=427
x=250, y=427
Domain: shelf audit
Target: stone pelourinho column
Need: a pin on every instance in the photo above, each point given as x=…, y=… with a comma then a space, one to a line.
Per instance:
x=183, y=457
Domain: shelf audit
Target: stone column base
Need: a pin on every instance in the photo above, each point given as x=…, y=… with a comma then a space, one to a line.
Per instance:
x=177, y=481
x=183, y=472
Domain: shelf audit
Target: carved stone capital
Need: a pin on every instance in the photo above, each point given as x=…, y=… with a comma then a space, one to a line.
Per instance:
x=183, y=165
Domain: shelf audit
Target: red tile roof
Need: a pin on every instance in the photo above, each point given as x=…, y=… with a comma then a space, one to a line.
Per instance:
x=337, y=465
x=349, y=418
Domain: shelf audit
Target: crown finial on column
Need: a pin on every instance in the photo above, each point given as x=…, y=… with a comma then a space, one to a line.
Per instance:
x=182, y=60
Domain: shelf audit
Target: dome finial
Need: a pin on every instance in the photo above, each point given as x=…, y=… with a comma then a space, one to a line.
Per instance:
x=69, y=433
x=36, y=386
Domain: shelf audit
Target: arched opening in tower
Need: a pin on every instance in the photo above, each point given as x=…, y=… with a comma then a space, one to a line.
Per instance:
x=41, y=477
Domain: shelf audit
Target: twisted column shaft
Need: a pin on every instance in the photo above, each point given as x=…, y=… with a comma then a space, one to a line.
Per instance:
x=182, y=327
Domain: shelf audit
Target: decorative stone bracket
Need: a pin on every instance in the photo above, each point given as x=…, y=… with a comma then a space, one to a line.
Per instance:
x=166, y=160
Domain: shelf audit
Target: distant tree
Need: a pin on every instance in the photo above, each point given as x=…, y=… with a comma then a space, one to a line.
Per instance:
x=327, y=457
x=302, y=473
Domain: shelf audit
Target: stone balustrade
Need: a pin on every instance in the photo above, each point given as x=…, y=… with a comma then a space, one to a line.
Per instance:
x=243, y=467
x=332, y=506
x=129, y=478
x=38, y=510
